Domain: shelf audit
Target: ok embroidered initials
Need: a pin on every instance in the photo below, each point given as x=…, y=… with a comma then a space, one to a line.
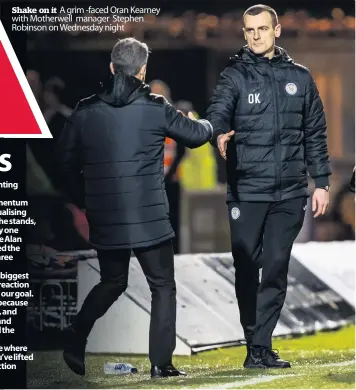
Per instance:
x=254, y=98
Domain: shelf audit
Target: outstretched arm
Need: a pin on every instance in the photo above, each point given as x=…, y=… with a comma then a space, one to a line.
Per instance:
x=222, y=104
x=190, y=132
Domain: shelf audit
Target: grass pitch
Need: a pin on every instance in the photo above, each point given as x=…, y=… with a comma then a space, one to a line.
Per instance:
x=322, y=361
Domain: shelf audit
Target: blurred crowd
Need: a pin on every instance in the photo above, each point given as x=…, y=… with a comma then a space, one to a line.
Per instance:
x=63, y=227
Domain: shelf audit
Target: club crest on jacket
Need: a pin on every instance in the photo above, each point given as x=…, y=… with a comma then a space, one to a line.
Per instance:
x=291, y=88
x=235, y=213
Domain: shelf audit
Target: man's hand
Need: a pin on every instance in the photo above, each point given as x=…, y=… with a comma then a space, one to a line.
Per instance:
x=190, y=115
x=222, y=141
x=320, y=201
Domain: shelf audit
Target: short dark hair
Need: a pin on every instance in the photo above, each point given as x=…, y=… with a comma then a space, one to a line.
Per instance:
x=129, y=55
x=259, y=8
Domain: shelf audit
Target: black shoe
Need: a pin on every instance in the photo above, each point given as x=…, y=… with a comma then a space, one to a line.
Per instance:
x=248, y=355
x=74, y=352
x=253, y=358
x=263, y=357
x=165, y=371
x=271, y=359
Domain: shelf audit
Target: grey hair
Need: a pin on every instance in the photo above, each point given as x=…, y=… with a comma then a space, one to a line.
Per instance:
x=129, y=55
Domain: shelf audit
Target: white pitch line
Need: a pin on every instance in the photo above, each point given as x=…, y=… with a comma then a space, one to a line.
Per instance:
x=341, y=364
x=224, y=376
x=269, y=378
x=253, y=381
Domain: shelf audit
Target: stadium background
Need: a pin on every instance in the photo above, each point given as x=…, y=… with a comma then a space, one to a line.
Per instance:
x=190, y=46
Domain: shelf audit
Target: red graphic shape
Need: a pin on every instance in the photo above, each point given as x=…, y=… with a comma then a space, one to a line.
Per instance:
x=16, y=114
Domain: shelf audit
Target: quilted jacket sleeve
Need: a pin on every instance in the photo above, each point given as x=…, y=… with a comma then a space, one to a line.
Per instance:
x=316, y=150
x=190, y=133
x=222, y=104
x=68, y=161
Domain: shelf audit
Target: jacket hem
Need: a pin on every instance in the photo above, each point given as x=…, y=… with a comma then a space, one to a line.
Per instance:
x=248, y=197
x=144, y=244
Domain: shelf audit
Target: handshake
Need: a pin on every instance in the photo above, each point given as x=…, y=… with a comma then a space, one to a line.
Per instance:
x=222, y=140
x=190, y=115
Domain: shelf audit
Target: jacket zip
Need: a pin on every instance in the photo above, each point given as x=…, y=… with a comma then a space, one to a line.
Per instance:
x=277, y=135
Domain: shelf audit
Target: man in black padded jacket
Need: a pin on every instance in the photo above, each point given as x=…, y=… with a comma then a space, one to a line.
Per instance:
x=110, y=161
x=279, y=133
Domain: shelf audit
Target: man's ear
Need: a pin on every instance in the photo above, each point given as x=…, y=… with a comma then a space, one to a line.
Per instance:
x=112, y=68
x=142, y=73
x=277, y=31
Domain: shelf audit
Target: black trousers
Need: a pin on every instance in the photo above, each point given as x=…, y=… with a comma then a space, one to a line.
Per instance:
x=262, y=236
x=158, y=266
x=173, y=192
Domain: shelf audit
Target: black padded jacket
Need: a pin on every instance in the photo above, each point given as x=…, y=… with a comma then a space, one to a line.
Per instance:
x=110, y=162
x=280, y=128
